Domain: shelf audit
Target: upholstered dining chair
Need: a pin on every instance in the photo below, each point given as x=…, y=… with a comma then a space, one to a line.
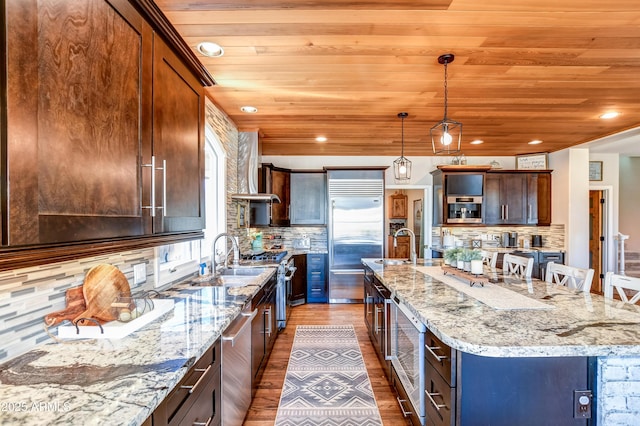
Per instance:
x=489, y=258
x=569, y=276
x=621, y=283
x=517, y=265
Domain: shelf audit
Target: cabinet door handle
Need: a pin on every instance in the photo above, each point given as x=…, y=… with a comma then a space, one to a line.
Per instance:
x=207, y=423
x=432, y=349
x=502, y=211
x=152, y=198
x=376, y=321
x=197, y=383
x=268, y=313
x=405, y=413
x=164, y=188
x=506, y=209
x=433, y=402
x=530, y=211
x=387, y=343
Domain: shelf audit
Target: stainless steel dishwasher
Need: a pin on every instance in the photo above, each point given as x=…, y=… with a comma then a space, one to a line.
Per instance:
x=236, y=368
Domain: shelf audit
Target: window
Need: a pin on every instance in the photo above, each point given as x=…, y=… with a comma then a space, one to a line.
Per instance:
x=176, y=261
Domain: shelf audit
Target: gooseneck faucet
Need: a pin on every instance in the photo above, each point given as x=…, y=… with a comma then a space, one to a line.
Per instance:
x=413, y=256
x=236, y=252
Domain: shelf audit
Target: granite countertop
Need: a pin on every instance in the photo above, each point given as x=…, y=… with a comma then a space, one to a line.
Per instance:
x=119, y=381
x=576, y=324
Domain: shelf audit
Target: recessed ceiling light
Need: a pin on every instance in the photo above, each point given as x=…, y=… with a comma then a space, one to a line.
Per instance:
x=609, y=115
x=535, y=142
x=212, y=50
x=321, y=139
x=477, y=142
x=249, y=109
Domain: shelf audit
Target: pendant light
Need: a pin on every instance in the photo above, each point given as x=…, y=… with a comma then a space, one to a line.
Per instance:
x=402, y=166
x=446, y=134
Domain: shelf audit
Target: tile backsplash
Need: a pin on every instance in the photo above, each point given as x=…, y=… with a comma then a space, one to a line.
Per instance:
x=552, y=236
x=28, y=294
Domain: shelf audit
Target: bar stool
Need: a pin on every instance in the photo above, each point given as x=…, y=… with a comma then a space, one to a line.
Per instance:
x=517, y=265
x=569, y=276
x=620, y=283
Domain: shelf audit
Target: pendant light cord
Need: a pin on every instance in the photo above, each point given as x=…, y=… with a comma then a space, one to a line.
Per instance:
x=402, y=150
x=445, y=89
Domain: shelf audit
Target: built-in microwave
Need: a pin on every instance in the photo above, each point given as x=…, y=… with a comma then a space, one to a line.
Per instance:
x=464, y=209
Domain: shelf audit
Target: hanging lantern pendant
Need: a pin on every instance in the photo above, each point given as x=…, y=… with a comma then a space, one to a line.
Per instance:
x=446, y=135
x=402, y=165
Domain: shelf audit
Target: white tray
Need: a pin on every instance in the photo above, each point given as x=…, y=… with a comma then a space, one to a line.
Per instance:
x=116, y=329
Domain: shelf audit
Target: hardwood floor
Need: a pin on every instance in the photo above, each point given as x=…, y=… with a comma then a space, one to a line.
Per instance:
x=265, y=403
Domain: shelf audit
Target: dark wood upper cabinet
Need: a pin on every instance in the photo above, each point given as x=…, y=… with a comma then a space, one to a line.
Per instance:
x=178, y=143
x=276, y=180
x=75, y=124
x=95, y=89
x=517, y=198
x=308, y=198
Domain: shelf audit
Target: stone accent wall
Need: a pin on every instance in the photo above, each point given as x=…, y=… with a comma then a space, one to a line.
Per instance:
x=618, y=391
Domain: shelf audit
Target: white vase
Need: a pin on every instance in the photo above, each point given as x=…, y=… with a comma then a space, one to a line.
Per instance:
x=476, y=267
x=460, y=264
x=467, y=266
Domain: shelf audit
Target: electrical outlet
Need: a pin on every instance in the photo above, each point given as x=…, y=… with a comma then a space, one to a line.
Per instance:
x=582, y=404
x=139, y=273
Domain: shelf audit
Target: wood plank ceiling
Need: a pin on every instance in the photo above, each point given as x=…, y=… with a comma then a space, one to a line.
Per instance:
x=524, y=70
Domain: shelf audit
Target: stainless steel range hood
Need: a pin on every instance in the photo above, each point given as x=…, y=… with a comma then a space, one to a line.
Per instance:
x=248, y=170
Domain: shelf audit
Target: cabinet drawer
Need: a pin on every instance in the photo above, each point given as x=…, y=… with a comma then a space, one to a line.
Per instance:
x=315, y=275
x=406, y=408
x=440, y=357
x=315, y=261
x=439, y=398
x=180, y=400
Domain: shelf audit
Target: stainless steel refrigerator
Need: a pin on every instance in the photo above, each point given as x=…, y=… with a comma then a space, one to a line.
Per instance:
x=356, y=229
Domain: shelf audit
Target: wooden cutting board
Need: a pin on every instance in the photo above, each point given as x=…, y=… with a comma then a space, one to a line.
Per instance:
x=102, y=287
x=75, y=306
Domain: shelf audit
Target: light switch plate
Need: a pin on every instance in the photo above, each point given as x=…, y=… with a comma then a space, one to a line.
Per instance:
x=139, y=273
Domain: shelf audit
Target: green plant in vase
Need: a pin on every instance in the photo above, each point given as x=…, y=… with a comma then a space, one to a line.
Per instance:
x=476, y=266
x=451, y=256
x=467, y=255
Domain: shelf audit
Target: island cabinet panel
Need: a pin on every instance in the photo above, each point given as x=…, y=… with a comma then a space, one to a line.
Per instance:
x=87, y=106
x=298, y=294
x=522, y=391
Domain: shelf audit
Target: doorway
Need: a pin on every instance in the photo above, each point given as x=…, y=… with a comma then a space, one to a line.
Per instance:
x=596, y=237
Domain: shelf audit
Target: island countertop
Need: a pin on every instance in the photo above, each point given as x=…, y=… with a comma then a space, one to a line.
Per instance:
x=119, y=381
x=574, y=324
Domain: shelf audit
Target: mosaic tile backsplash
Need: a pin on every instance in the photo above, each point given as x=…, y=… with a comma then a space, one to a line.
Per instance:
x=552, y=236
x=28, y=294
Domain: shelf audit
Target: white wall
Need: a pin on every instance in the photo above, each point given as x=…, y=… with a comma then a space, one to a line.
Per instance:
x=629, y=203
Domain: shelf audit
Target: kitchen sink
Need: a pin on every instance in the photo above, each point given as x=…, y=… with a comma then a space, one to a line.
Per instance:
x=391, y=262
x=231, y=277
x=243, y=271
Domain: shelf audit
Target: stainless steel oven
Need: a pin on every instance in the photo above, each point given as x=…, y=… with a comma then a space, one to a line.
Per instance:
x=407, y=359
x=464, y=209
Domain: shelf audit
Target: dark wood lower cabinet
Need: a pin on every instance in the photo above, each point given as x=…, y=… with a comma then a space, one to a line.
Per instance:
x=196, y=399
x=299, y=281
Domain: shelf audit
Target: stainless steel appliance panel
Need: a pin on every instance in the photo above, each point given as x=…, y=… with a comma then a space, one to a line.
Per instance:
x=407, y=355
x=356, y=231
x=236, y=369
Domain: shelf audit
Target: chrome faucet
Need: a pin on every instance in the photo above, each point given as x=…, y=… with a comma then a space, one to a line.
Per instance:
x=413, y=256
x=236, y=252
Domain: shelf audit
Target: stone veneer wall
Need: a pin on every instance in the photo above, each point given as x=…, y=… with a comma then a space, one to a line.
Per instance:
x=618, y=391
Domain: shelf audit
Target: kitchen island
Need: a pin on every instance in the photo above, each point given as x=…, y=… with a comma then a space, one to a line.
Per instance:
x=554, y=325
x=120, y=381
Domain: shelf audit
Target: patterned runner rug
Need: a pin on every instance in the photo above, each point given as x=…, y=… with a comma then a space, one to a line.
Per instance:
x=327, y=382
